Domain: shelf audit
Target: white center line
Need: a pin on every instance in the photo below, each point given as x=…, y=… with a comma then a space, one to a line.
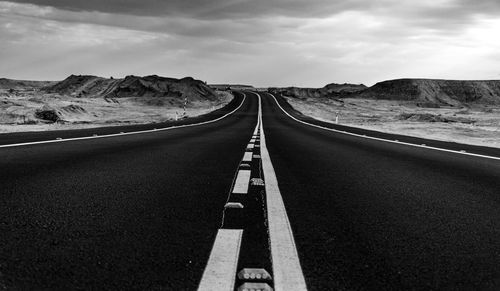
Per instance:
x=287, y=271
x=220, y=271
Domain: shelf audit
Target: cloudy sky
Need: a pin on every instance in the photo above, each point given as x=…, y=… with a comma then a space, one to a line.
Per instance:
x=260, y=42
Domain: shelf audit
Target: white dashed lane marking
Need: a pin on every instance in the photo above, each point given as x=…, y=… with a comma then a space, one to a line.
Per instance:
x=220, y=271
x=242, y=181
x=247, y=157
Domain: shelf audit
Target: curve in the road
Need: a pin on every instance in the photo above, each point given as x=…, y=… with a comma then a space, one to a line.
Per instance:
x=95, y=136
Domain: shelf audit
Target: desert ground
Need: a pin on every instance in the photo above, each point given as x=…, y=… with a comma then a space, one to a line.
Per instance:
x=476, y=124
x=79, y=102
x=17, y=112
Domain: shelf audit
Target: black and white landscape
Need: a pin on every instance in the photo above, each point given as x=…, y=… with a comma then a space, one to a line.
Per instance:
x=249, y=145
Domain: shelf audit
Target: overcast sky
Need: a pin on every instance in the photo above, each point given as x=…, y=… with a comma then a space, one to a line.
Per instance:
x=259, y=42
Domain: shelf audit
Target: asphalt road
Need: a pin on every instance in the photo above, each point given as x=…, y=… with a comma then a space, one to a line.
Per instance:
x=130, y=212
x=372, y=215
x=142, y=211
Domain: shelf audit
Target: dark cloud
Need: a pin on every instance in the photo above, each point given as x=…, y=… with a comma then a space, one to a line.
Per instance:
x=207, y=9
x=451, y=15
x=483, y=6
x=440, y=16
x=253, y=8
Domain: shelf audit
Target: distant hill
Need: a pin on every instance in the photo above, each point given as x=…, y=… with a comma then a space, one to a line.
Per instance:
x=7, y=84
x=437, y=92
x=132, y=86
x=231, y=86
x=330, y=90
x=425, y=92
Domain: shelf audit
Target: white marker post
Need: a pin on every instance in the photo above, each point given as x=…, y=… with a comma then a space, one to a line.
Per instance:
x=185, y=104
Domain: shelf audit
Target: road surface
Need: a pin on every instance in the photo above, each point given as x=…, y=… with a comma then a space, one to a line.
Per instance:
x=143, y=211
x=374, y=215
x=131, y=212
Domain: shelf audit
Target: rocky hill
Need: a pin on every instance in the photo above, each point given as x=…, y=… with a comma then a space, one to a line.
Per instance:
x=78, y=85
x=330, y=90
x=436, y=92
x=132, y=86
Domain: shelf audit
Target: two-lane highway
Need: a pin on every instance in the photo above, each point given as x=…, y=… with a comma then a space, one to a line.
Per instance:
x=127, y=212
x=374, y=215
x=332, y=210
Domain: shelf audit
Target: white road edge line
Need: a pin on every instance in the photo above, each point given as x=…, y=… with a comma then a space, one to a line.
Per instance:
x=287, y=271
x=384, y=140
x=126, y=133
x=220, y=272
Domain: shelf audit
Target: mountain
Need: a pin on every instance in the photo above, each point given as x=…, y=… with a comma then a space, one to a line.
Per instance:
x=438, y=92
x=425, y=92
x=132, y=86
x=9, y=84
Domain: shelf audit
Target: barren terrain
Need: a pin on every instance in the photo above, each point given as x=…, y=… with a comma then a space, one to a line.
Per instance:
x=477, y=125
x=89, y=101
x=458, y=111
